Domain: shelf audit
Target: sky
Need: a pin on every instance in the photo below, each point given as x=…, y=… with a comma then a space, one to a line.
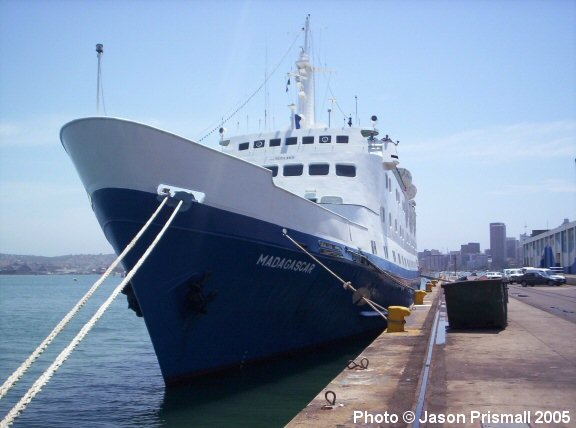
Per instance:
x=480, y=93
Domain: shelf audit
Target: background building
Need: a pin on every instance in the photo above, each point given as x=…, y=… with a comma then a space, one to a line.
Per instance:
x=470, y=248
x=432, y=261
x=513, y=252
x=498, y=245
x=552, y=248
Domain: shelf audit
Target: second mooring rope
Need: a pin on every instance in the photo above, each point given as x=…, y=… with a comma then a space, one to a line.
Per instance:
x=345, y=284
x=19, y=372
x=45, y=377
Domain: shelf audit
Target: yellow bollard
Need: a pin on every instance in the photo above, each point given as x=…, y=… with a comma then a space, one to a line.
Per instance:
x=396, y=320
x=419, y=297
x=428, y=287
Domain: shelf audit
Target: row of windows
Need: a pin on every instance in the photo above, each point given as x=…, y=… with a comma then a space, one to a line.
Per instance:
x=290, y=141
x=293, y=170
x=398, y=258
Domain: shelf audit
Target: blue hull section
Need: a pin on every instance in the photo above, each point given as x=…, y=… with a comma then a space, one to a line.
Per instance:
x=223, y=290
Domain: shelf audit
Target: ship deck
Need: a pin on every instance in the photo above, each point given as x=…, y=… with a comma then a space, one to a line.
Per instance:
x=523, y=375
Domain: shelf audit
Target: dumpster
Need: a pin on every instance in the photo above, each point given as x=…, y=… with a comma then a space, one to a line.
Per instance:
x=476, y=304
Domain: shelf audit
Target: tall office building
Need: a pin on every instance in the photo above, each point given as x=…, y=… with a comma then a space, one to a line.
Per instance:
x=498, y=245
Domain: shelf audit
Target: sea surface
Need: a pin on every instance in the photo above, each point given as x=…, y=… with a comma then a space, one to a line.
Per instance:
x=112, y=379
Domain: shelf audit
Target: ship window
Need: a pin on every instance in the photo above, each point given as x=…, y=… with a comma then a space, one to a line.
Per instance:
x=318, y=169
x=346, y=170
x=325, y=139
x=341, y=138
x=293, y=170
x=290, y=141
x=331, y=200
x=243, y=146
x=275, y=142
x=307, y=140
x=274, y=169
x=258, y=144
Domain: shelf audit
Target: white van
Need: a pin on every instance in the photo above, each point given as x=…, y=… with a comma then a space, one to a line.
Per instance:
x=510, y=275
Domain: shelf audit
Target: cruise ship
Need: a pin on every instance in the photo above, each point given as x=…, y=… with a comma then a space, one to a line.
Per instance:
x=286, y=241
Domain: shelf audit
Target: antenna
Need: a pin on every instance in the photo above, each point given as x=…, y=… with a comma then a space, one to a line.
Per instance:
x=332, y=101
x=99, y=90
x=266, y=95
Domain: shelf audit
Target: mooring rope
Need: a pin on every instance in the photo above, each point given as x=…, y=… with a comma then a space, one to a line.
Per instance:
x=19, y=372
x=45, y=377
x=345, y=284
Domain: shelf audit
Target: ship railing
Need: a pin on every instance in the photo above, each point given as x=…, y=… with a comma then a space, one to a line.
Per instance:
x=374, y=147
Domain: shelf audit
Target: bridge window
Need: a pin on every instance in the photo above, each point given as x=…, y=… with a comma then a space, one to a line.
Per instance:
x=290, y=141
x=341, y=138
x=293, y=170
x=345, y=170
x=275, y=142
x=325, y=139
x=258, y=144
x=243, y=146
x=318, y=169
x=307, y=140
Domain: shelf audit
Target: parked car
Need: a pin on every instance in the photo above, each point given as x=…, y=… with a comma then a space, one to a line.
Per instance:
x=493, y=275
x=547, y=272
x=511, y=275
x=537, y=278
x=555, y=275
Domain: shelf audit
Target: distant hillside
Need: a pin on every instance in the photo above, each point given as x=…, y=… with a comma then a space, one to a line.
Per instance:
x=12, y=264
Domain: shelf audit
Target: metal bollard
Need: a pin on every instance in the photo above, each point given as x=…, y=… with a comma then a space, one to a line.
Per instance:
x=419, y=297
x=396, y=320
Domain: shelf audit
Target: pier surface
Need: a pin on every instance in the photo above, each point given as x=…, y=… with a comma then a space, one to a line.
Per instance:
x=522, y=376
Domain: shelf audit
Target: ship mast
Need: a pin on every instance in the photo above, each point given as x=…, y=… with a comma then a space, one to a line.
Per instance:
x=304, y=118
x=99, y=89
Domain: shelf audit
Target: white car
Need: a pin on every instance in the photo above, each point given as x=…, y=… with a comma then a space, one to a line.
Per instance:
x=493, y=275
x=511, y=275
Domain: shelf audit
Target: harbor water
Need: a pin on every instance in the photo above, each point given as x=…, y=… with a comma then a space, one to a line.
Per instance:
x=113, y=380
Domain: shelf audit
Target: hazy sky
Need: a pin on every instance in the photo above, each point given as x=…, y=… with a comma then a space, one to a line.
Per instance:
x=481, y=95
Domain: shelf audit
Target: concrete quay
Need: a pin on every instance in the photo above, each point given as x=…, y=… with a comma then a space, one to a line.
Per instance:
x=522, y=376
x=389, y=384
